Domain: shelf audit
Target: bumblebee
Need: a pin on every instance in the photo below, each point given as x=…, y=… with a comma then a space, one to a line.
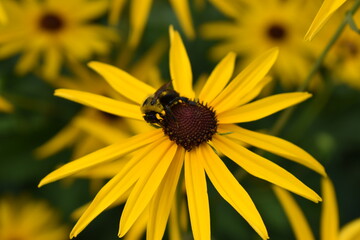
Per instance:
x=159, y=104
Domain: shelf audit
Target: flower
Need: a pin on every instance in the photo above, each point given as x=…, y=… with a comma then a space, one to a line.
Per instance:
x=153, y=172
x=344, y=57
x=326, y=10
x=49, y=32
x=139, y=12
x=25, y=219
x=260, y=25
x=329, y=216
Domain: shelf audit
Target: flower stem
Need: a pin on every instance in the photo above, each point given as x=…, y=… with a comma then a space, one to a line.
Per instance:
x=280, y=123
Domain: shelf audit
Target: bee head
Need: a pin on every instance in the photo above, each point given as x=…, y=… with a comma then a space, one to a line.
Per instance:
x=152, y=104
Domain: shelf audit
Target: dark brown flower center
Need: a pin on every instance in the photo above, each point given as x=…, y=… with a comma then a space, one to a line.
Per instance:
x=276, y=32
x=189, y=124
x=51, y=22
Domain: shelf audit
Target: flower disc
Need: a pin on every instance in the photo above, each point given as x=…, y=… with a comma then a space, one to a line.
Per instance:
x=189, y=124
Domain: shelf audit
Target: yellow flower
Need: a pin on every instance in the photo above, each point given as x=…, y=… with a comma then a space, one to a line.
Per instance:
x=329, y=227
x=158, y=156
x=344, y=57
x=29, y=219
x=326, y=10
x=260, y=25
x=3, y=17
x=139, y=13
x=49, y=32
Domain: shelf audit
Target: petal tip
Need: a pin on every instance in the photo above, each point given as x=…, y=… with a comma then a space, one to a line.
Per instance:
x=94, y=65
x=41, y=183
x=171, y=32
x=58, y=92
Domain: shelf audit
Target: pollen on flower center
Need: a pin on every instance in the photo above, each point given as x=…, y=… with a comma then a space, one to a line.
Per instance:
x=276, y=32
x=189, y=124
x=51, y=22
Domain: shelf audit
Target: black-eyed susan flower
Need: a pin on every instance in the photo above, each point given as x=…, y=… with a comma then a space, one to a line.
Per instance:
x=47, y=33
x=27, y=219
x=187, y=127
x=139, y=13
x=326, y=10
x=260, y=25
x=329, y=226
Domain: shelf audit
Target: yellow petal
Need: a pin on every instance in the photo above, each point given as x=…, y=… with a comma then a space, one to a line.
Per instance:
x=245, y=81
x=329, y=226
x=219, y=30
x=351, y=231
x=105, y=171
x=65, y=137
x=109, y=153
x=3, y=17
x=85, y=146
x=326, y=10
x=27, y=61
x=139, y=227
x=163, y=199
x=218, y=79
x=274, y=145
x=182, y=12
x=197, y=196
x=91, y=10
x=229, y=188
x=255, y=91
x=100, y=130
x=76, y=214
x=115, y=188
x=102, y=103
x=123, y=82
x=52, y=63
x=174, y=223
x=146, y=66
x=180, y=68
x=263, y=168
x=293, y=212
x=115, y=10
x=139, y=12
x=227, y=7
x=153, y=170
x=262, y=108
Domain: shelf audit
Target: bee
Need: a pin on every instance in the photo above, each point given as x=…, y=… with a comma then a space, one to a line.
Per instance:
x=159, y=104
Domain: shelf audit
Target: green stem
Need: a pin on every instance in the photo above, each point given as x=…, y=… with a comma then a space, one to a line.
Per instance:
x=280, y=123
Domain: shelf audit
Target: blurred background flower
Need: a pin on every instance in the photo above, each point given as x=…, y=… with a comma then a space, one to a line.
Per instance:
x=261, y=25
x=47, y=33
x=23, y=218
x=344, y=57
